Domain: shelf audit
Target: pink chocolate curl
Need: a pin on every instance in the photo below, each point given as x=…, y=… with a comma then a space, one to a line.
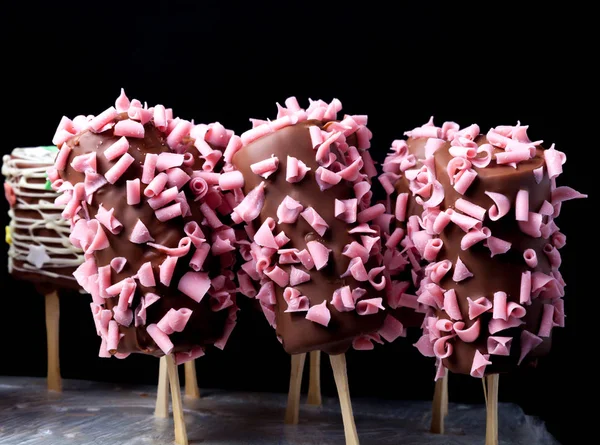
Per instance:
x=315, y=220
x=319, y=254
x=401, y=203
x=156, y=186
x=451, y=305
x=461, y=272
x=497, y=246
x=140, y=233
x=194, y=285
x=133, y=191
x=264, y=235
x=266, y=167
x=119, y=168
x=532, y=226
x=298, y=276
x=129, y=128
x=501, y=205
x=149, y=169
x=295, y=301
x=117, y=149
x=296, y=170
x=145, y=275
x=251, y=205
x=470, y=209
x=391, y=329
x=319, y=314
x=529, y=342
x=480, y=361
x=160, y=338
x=106, y=218
x=499, y=345
x=231, y=180
x=278, y=275
x=554, y=161
x=288, y=211
x=103, y=119
x=478, y=307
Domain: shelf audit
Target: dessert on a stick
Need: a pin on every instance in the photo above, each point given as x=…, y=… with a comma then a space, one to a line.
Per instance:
x=481, y=212
x=314, y=258
x=149, y=209
x=38, y=237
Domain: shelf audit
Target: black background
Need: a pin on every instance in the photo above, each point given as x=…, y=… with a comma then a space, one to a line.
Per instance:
x=491, y=62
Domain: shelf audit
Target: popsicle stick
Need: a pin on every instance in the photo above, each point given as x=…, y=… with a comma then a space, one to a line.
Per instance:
x=445, y=395
x=162, y=392
x=314, y=382
x=491, y=425
x=293, y=404
x=338, y=364
x=52, y=320
x=178, y=419
x=191, y=380
x=437, y=407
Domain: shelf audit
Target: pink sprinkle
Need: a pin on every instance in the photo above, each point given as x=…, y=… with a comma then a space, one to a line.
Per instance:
x=133, y=191
x=157, y=185
x=166, y=161
x=104, y=118
x=288, y=211
x=529, y=342
x=166, y=270
x=117, y=170
x=129, y=128
x=371, y=213
x=480, y=361
x=118, y=263
x=538, y=174
x=460, y=271
x=465, y=180
x=149, y=167
x=319, y=254
x=296, y=170
x=117, y=149
x=140, y=233
x=231, y=180
x=252, y=204
x=465, y=222
x=298, y=276
x=319, y=314
x=315, y=220
x=266, y=167
x=522, y=205
x=470, y=209
x=264, y=235
x=473, y=237
x=532, y=226
x=194, y=285
x=160, y=338
x=278, y=275
x=497, y=246
x=554, y=161
x=401, y=203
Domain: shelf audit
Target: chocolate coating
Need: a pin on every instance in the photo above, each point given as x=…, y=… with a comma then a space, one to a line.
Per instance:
x=204, y=326
x=296, y=332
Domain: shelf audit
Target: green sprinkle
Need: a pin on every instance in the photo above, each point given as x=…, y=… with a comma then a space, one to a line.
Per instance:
x=48, y=185
x=50, y=148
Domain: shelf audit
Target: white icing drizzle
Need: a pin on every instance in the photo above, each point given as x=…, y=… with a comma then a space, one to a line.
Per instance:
x=23, y=171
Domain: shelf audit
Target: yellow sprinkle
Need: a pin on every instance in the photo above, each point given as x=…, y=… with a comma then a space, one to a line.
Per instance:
x=7, y=236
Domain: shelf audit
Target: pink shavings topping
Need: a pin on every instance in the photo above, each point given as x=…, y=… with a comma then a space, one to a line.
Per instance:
x=461, y=272
x=296, y=170
x=497, y=246
x=470, y=334
x=278, y=275
x=140, y=233
x=264, y=235
x=499, y=345
x=251, y=205
x=86, y=162
x=480, y=361
x=478, y=307
x=466, y=223
x=129, y=128
x=522, y=205
x=266, y=167
x=319, y=254
x=369, y=306
x=166, y=161
x=106, y=218
x=470, y=209
x=149, y=168
x=315, y=220
x=160, y=338
x=554, y=161
x=298, y=276
x=295, y=301
x=194, y=285
x=98, y=123
x=533, y=225
x=391, y=329
x=319, y=314
x=288, y=211
x=529, y=342
x=118, y=169
x=451, y=305
x=118, y=263
x=145, y=275
x=117, y=149
x=231, y=180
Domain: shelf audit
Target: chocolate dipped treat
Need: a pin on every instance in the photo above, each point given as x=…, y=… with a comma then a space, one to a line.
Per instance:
x=480, y=212
x=147, y=207
x=38, y=236
x=315, y=252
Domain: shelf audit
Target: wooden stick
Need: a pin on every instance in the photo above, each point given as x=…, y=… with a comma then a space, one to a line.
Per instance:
x=491, y=425
x=314, y=382
x=178, y=419
x=437, y=408
x=445, y=395
x=292, y=411
x=191, y=380
x=338, y=364
x=162, y=392
x=52, y=322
